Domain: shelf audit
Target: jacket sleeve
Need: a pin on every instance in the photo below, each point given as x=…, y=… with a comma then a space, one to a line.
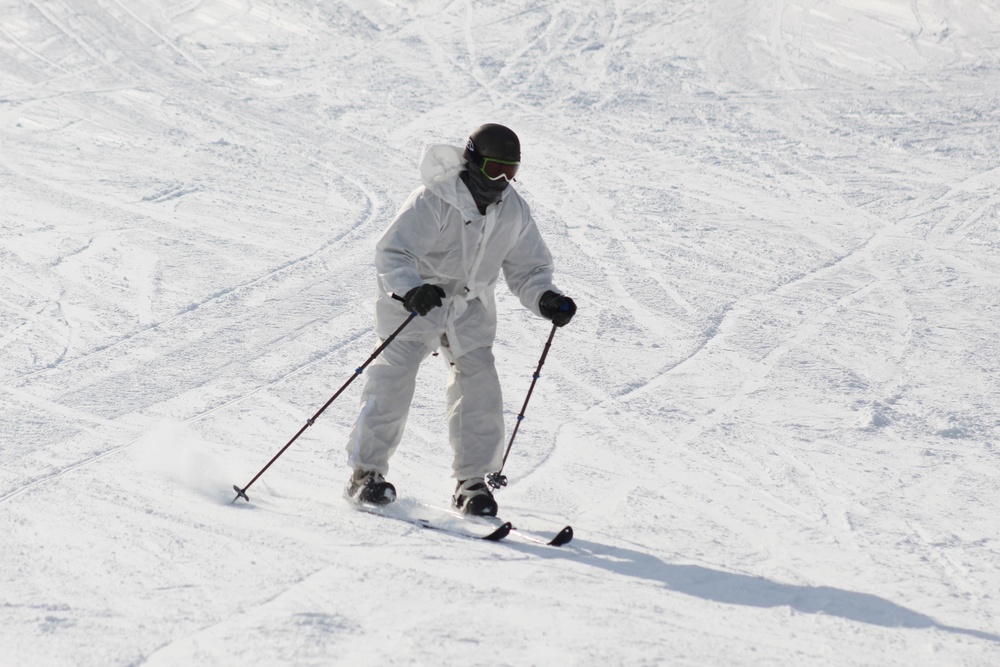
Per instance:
x=528, y=266
x=399, y=253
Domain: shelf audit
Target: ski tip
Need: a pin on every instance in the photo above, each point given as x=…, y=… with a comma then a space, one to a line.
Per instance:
x=501, y=532
x=563, y=537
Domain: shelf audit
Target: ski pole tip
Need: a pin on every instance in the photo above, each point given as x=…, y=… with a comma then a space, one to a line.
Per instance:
x=240, y=493
x=497, y=480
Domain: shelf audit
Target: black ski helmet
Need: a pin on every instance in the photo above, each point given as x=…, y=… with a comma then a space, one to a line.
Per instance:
x=492, y=140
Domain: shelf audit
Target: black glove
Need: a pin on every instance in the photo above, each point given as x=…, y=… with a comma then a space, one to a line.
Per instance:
x=556, y=307
x=423, y=299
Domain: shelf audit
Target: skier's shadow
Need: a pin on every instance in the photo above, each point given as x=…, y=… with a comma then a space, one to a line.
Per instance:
x=750, y=591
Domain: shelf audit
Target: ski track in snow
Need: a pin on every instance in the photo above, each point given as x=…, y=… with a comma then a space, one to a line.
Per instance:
x=773, y=423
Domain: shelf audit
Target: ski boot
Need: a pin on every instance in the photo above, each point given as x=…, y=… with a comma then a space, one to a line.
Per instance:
x=369, y=486
x=474, y=498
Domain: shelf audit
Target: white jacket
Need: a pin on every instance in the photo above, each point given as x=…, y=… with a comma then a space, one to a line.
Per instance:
x=440, y=237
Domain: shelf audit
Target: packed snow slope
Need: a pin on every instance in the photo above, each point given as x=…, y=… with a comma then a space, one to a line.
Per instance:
x=774, y=422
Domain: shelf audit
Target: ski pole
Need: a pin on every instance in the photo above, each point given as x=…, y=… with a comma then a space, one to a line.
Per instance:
x=498, y=479
x=242, y=493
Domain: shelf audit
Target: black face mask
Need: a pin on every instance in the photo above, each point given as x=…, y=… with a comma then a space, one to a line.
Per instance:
x=484, y=191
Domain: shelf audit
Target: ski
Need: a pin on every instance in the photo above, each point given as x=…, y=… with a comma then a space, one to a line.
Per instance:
x=452, y=521
x=458, y=528
x=562, y=537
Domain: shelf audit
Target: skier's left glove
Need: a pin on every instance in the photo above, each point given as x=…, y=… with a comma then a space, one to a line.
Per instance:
x=556, y=307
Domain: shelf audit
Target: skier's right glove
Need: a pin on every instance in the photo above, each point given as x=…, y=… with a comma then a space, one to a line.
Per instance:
x=423, y=299
x=556, y=307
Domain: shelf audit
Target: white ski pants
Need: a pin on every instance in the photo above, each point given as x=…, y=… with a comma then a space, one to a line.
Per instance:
x=474, y=408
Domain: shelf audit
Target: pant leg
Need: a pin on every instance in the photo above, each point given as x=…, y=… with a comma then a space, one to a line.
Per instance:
x=385, y=404
x=475, y=414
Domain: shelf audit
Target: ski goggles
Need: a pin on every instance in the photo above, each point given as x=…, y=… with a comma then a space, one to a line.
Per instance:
x=495, y=169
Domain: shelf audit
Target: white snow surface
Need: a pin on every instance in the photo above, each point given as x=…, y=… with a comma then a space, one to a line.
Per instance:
x=774, y=422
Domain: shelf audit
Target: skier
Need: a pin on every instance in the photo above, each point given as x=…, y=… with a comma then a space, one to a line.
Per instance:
x=442, y=255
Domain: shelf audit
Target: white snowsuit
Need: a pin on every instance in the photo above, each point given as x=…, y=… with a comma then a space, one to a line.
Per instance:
x=440, y=237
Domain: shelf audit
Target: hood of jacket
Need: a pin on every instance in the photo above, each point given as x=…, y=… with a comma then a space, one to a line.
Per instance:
x=440, y=165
